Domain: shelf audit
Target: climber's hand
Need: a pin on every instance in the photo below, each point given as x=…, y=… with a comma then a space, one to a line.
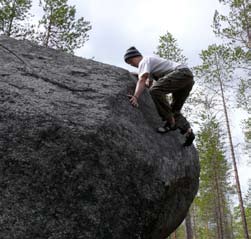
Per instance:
x=133, y=100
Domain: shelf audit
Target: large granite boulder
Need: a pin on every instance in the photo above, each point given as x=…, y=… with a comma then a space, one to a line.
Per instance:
x=77, y=160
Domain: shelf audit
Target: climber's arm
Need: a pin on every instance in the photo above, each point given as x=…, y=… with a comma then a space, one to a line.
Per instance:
x=141, y=84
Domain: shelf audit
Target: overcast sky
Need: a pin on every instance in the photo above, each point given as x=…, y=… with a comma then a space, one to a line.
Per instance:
x=119, y=24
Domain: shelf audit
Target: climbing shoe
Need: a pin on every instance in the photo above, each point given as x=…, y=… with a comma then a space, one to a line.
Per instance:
x=166, y=128
x=189, y=138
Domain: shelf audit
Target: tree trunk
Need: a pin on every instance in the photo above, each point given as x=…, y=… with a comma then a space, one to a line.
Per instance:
x=207, y=231
x=189, y=230
x=243, y=216
x=194, y=223
x=8, y=33
x=217, y=229
x=218, y=201
x=248, y=23
x=48, y=33
x=232, y=227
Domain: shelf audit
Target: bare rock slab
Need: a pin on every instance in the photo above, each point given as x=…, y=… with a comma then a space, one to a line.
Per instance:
x=77, y=160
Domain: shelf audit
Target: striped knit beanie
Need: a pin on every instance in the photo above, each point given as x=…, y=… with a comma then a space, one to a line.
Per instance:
x=130, y=53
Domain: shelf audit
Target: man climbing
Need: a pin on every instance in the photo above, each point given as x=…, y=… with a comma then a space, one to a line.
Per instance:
x=163, y=77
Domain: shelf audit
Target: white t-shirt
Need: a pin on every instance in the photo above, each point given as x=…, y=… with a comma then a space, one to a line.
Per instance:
x=155, y=65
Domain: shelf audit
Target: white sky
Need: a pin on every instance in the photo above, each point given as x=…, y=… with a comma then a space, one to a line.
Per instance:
x=118, y=25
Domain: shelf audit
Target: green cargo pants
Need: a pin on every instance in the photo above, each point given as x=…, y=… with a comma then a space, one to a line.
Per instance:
x=179, y=83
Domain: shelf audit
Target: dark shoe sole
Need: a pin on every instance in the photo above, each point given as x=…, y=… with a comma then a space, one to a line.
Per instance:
x=189, y=139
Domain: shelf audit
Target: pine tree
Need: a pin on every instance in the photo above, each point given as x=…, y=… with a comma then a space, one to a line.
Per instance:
x=217, y=71
x=212, y=204
x=168, y=49
x=189, y=231
x=243, y=100
x=14, y=15
x=235, y=27
x=58, y=27
x=237, y=227
x=238, y=230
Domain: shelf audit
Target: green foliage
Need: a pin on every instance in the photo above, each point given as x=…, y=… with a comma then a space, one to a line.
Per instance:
x=237, y=226
x=214, y=189
x=236, y=26
x=216, y=74
x=244, y=94
x=247, y=202
x=168, y=49
x=179, y=232
x=217, y=62
x=248, y=206
x=247, y=134
x=13, y=14
x=58, y=27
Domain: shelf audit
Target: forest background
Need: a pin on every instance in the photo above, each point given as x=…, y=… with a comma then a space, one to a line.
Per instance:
x=214, y=38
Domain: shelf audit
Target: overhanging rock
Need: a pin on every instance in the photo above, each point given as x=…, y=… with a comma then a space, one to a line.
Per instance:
x=76, y=160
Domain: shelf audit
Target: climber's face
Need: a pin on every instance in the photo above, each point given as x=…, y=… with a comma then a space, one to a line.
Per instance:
x=134, y=61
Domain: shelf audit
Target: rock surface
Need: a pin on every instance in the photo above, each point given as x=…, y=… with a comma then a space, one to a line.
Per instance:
x=76, y=160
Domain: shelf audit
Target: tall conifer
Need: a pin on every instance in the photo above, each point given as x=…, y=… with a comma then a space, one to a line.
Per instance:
x=59, y=28
x=14, y=15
